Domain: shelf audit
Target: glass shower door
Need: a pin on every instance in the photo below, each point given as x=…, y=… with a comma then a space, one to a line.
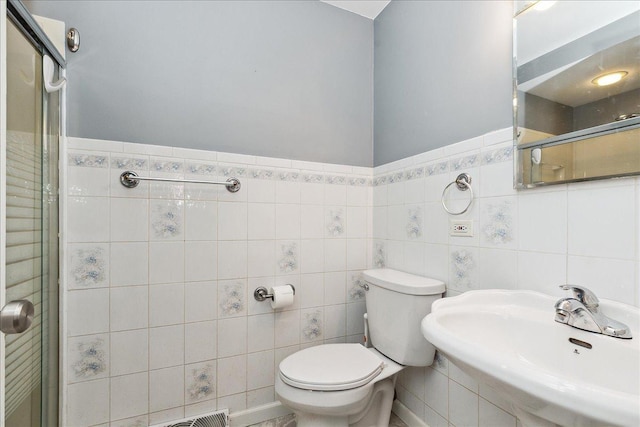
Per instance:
x=30, y=357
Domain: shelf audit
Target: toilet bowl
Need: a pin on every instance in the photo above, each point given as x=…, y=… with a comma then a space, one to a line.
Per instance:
x=348, y=384
x=323, y=390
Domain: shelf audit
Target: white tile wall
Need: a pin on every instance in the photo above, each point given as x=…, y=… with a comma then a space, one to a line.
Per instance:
x=162, y=323
x=161, y=319
x=585, y=233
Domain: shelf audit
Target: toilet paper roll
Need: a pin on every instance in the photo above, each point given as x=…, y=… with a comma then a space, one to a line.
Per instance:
x=282, y=296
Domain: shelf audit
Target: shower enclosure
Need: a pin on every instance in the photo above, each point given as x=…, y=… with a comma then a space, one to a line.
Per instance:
x=30, y=123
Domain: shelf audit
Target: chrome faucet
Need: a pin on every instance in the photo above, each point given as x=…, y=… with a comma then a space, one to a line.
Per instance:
x=581, y=311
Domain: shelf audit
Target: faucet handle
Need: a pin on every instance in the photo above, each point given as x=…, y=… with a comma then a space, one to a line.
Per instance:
x=582, y=294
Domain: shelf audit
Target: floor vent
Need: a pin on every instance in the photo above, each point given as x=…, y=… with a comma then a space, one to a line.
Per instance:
x=214, y=419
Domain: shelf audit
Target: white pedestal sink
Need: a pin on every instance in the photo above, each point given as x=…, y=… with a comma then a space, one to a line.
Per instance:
x=546, y=370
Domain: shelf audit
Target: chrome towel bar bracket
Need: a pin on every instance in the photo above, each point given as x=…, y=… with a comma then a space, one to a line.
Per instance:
x=463, y=182
x=131, y=179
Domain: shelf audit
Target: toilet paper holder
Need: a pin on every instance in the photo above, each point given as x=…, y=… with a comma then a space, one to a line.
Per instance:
x=261, y=293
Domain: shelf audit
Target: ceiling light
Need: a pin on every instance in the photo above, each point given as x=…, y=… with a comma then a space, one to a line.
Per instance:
x=609, y=78
x=542, y=5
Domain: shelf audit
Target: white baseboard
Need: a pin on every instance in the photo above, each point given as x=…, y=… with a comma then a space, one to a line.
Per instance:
x=405, y=414
x=259, y=414
x=277, y=409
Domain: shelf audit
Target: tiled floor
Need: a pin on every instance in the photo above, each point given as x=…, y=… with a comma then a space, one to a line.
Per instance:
x=290, y=421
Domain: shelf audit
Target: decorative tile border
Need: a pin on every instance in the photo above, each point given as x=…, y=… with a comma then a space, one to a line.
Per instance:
x=88, y=160
x=200, y=168
x=497, y=156
x=437, y=168
x=416, y=173
x=267, y=174
x=465, y=162
x=232, y=171
x=335, y=179
x=167, y=165
x=182, y=166
x=129, y=163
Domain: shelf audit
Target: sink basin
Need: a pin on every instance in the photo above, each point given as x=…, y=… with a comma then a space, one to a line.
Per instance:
x=510, y=341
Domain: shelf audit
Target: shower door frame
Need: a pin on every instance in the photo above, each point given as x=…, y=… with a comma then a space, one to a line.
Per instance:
x=38, y=37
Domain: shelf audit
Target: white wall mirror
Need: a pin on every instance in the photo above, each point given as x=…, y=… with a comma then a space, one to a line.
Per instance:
x=576, y=91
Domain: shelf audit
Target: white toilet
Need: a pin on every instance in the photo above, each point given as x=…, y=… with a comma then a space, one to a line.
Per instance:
x=350, y=385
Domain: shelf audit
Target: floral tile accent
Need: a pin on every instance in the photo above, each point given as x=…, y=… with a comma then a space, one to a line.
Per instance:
x=168, y=166
x=437, y=168
x=89, y=266
x=498, y=223
x=380, y=180
x=414, y=173
x=200, y=169
x=356, y=291
x=167, y=219
x=335, y=222
x=465, y=162
x=88, y=160
x=285, y=175
x=396, y=177
x=379, y=255
x=232, y=299
x=335, y=179
x=289, y=259
x=414, y=222
x=313, y=178
x=359, y=181
x=496, y=156
x=90, y=357
x=312, y=325
x=261, y=174
x=200, y=382
x=128, y=163
x=232, y=171
x=463, y=267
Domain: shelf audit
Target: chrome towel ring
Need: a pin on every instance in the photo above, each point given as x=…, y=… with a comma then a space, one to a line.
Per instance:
x=463, y=182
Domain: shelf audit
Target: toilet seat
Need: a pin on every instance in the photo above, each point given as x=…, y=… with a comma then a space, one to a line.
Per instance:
x=331, y=367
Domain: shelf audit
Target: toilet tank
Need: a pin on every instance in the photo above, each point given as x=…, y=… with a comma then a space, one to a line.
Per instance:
x=396, y=304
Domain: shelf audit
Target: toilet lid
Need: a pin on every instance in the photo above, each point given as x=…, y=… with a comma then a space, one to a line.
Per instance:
x=330, y=367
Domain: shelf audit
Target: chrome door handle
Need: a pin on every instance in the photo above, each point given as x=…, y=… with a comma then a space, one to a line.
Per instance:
x=16, y=317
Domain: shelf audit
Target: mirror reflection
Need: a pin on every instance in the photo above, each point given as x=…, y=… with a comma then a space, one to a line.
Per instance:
x=577, y=76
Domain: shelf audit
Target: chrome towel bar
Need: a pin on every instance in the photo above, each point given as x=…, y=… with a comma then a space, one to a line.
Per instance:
x=131, y=179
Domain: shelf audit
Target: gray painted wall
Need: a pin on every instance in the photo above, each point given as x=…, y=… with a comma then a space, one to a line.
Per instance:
x=279, y=78
x=442, y=74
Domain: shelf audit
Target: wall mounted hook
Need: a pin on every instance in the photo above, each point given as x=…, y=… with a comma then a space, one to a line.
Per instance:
x=73, y=39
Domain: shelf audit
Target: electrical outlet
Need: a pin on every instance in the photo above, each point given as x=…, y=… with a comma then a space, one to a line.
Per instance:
x=462, y=228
